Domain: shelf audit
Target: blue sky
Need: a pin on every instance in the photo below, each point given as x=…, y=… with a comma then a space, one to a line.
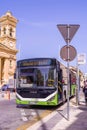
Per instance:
x=37, y=32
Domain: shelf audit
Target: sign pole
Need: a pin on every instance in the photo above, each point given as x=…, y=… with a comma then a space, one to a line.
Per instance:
x=77, y=88
x=81, y=59
x=68, y=31
x=68, y=84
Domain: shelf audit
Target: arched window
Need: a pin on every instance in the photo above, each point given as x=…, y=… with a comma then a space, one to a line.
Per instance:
x=10, y=33
x=4, y=30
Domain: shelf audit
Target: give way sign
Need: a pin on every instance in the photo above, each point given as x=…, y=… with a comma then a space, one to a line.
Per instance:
x=68, y=31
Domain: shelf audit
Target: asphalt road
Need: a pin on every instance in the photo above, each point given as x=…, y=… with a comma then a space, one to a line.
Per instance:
x=12, y=118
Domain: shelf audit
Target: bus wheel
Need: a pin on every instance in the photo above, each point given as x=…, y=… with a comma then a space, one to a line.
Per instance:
x=18, y=105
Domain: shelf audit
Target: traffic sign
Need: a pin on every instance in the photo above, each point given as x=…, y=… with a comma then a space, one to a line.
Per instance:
x=68, y=31
x=64, y=53
x=81, y=58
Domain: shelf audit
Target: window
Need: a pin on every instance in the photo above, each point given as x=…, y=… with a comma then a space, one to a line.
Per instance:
x=10, y=63
x=4, y=30
x=37, y=77
x=10, y=32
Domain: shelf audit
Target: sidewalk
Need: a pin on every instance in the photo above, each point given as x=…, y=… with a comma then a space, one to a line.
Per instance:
x=57, y=120
x=6, y=96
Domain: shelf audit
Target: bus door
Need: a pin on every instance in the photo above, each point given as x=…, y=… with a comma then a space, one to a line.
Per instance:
x=60, y=86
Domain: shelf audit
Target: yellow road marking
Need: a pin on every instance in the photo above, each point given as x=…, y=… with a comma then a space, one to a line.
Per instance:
x=35, y=119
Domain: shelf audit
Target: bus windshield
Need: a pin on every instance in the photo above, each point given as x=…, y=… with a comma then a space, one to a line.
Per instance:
x=36, y=77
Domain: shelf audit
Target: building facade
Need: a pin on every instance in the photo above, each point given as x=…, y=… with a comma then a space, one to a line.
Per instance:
x=8, y=49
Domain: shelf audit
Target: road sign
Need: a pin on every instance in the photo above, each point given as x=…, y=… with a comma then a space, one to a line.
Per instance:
x=68, y=52
x=64, y=53
x=67, y=31
x=81, y=59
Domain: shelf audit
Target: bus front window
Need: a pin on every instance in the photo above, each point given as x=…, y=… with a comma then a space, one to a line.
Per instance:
x=36, y=77
x=26, y=81
x=45, y=77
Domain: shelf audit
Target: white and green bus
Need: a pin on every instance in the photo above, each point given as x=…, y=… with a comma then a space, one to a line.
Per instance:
x=39, y=82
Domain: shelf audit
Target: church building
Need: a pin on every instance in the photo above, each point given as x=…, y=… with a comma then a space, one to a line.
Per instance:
x=8, y=49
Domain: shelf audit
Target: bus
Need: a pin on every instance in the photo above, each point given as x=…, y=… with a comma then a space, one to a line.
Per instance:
x=39, y=82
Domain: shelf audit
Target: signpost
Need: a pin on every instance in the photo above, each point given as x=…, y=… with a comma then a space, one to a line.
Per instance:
x=81, y=59
x=68, y=31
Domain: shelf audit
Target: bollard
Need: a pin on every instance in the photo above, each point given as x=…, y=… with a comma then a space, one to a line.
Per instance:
x=8, y=95
x=5, y=94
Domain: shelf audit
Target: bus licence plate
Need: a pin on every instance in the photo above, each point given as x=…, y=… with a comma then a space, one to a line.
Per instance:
x=32, y=102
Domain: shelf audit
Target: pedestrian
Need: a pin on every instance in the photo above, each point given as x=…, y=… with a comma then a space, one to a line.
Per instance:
x=85, y=91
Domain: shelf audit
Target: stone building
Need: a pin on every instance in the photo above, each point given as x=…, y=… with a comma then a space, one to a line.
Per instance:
x=8, y=49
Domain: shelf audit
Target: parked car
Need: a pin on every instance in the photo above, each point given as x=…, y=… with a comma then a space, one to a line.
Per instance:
x=7, y=87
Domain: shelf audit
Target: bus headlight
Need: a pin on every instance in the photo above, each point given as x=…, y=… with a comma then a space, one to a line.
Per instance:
x=52, y=98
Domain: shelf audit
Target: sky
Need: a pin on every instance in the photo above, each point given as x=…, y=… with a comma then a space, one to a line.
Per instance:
x=37, y=32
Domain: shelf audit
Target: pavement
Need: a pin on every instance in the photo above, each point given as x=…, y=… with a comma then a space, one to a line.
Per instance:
x=76, y=119
x=7, y=95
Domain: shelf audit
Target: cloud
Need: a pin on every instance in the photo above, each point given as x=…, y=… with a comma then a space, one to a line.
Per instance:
x=37, y=24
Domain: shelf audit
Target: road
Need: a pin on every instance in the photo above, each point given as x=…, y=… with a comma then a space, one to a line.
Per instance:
x=38, y=117
x=12, y=118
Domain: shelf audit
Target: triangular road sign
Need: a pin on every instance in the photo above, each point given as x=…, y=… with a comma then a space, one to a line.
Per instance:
x=67, y=31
